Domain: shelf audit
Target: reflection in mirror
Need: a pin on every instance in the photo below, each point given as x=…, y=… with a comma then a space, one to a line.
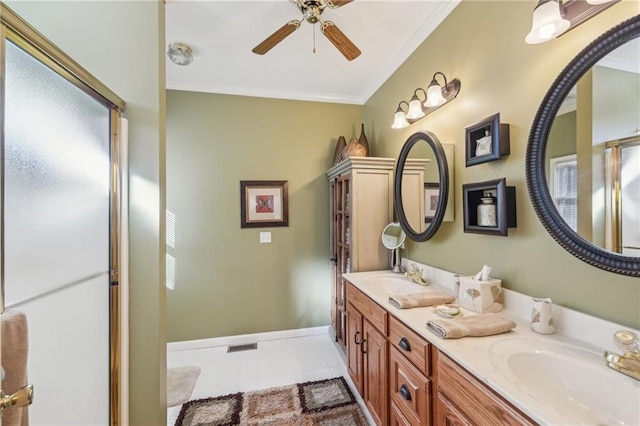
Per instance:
x=421, y=186
x=583, y=153
x=593, y=153
x=393, y=238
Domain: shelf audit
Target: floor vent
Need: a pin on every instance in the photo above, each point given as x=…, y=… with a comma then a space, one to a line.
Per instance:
x=240, y=348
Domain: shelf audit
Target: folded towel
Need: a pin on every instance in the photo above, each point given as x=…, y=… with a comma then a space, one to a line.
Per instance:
x=430, y=298
x=474, y=325
x=15, y=345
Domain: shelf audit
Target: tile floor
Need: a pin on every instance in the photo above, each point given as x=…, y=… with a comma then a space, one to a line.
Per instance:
x=274, y=363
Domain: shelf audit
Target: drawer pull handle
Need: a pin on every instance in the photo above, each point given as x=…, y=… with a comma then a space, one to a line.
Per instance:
x=355, y=338
x=405, y=393
x=404, y=344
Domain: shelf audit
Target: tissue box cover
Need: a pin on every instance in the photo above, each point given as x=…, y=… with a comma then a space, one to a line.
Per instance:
x=481, y=296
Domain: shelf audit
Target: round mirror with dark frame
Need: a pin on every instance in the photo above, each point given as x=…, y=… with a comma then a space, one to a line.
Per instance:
x=579, y=190
x=430, y=194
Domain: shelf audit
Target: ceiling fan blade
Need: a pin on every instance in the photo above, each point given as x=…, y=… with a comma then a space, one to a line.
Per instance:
x=334, y=4
x=276, y=37
x=340, y=41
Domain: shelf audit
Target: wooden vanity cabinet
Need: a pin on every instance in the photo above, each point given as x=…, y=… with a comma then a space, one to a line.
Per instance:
x=410, y=384
x=361, y=205
x=464, y=400
x=367, y=352
x=405, y=381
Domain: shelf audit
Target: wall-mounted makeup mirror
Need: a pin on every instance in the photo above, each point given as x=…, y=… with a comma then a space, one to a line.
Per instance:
x=583, y=155
x=393, y=238
x=421, y=186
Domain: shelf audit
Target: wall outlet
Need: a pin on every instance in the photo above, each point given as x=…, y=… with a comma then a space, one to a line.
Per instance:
x=265, y=237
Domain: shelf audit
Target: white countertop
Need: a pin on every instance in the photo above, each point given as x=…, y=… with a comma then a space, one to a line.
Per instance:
x=474, y=353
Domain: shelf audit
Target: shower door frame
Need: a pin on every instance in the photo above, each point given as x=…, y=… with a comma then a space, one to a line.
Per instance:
x=23, y=35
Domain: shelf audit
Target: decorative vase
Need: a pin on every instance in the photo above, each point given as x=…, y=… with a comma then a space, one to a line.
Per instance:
x=337, y=154
x=487, y=212
x=354, y=149
x=363, y=140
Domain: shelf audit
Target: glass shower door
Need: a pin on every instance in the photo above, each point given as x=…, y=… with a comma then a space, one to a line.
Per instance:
x=56, y=238
x=630, y=195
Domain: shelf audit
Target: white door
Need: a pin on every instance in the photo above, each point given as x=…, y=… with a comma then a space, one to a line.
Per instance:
x=56, y=241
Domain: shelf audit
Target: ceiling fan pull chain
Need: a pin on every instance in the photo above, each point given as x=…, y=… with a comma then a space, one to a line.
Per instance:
x=314, y=39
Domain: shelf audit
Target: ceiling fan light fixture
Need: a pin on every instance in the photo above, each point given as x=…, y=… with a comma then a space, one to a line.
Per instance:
x=598, y=1
x=180, y=53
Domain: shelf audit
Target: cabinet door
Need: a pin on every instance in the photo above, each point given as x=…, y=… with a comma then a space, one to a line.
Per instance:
x=333, y=256
x=448, y=415
x=354, y=353
x=374, y=348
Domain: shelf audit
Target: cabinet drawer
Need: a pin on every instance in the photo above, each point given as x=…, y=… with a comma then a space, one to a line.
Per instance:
x=409, y=389
x=369, y=309
x=414, y=347
x=396, y=418
x=472, y=398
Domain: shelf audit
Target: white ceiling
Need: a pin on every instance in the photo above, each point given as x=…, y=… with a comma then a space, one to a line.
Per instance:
x=222, y=34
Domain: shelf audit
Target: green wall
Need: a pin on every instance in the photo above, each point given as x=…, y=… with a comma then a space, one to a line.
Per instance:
x=482, y=44
x=122, y=44
x=562, y=137
x=227, y=282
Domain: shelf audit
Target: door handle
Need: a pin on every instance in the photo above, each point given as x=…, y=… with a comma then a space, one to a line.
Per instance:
x=404, y=344
x=355, y=338
x=363, y=348
x=405, y=393
x=20, y=398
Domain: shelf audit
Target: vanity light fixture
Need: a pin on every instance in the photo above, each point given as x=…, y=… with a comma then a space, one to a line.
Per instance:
x=547, y=23
x=415, y=105
x=552, y=18
x=400, y=118
x=180, y=53
x=435, y=92
x=435, y=96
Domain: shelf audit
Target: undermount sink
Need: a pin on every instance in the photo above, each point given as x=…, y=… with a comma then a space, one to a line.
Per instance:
x=399, y=284
x=573, y=381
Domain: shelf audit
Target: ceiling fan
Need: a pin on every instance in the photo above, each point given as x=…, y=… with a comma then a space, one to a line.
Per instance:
x=311, y=11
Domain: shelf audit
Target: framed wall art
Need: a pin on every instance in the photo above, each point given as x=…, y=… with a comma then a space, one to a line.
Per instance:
x=264, y=203
x=431, y=197
x=486, y=140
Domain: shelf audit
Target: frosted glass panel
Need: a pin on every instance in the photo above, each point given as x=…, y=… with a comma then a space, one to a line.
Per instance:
x=630, y=183
x=69, y=356
x=56, y=180
x=56, y=238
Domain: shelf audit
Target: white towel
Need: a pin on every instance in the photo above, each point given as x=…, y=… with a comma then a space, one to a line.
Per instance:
x=15, y=347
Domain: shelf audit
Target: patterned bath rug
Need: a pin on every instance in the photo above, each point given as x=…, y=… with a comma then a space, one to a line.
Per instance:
x=324, y=402
x=180, y=384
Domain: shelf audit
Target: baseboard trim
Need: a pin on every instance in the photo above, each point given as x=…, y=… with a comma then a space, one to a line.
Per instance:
x=246, y=338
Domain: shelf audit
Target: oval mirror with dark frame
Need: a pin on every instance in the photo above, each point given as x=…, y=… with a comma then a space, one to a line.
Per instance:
x=586, y=192
x=421, y=188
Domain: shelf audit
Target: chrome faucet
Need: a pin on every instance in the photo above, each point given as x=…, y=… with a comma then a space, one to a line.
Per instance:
x=415, y=274
x=629, y=362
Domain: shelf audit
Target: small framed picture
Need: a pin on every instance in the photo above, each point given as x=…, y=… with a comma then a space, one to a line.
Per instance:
x=431, y=196
x=486, y=140
x=264, y=203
